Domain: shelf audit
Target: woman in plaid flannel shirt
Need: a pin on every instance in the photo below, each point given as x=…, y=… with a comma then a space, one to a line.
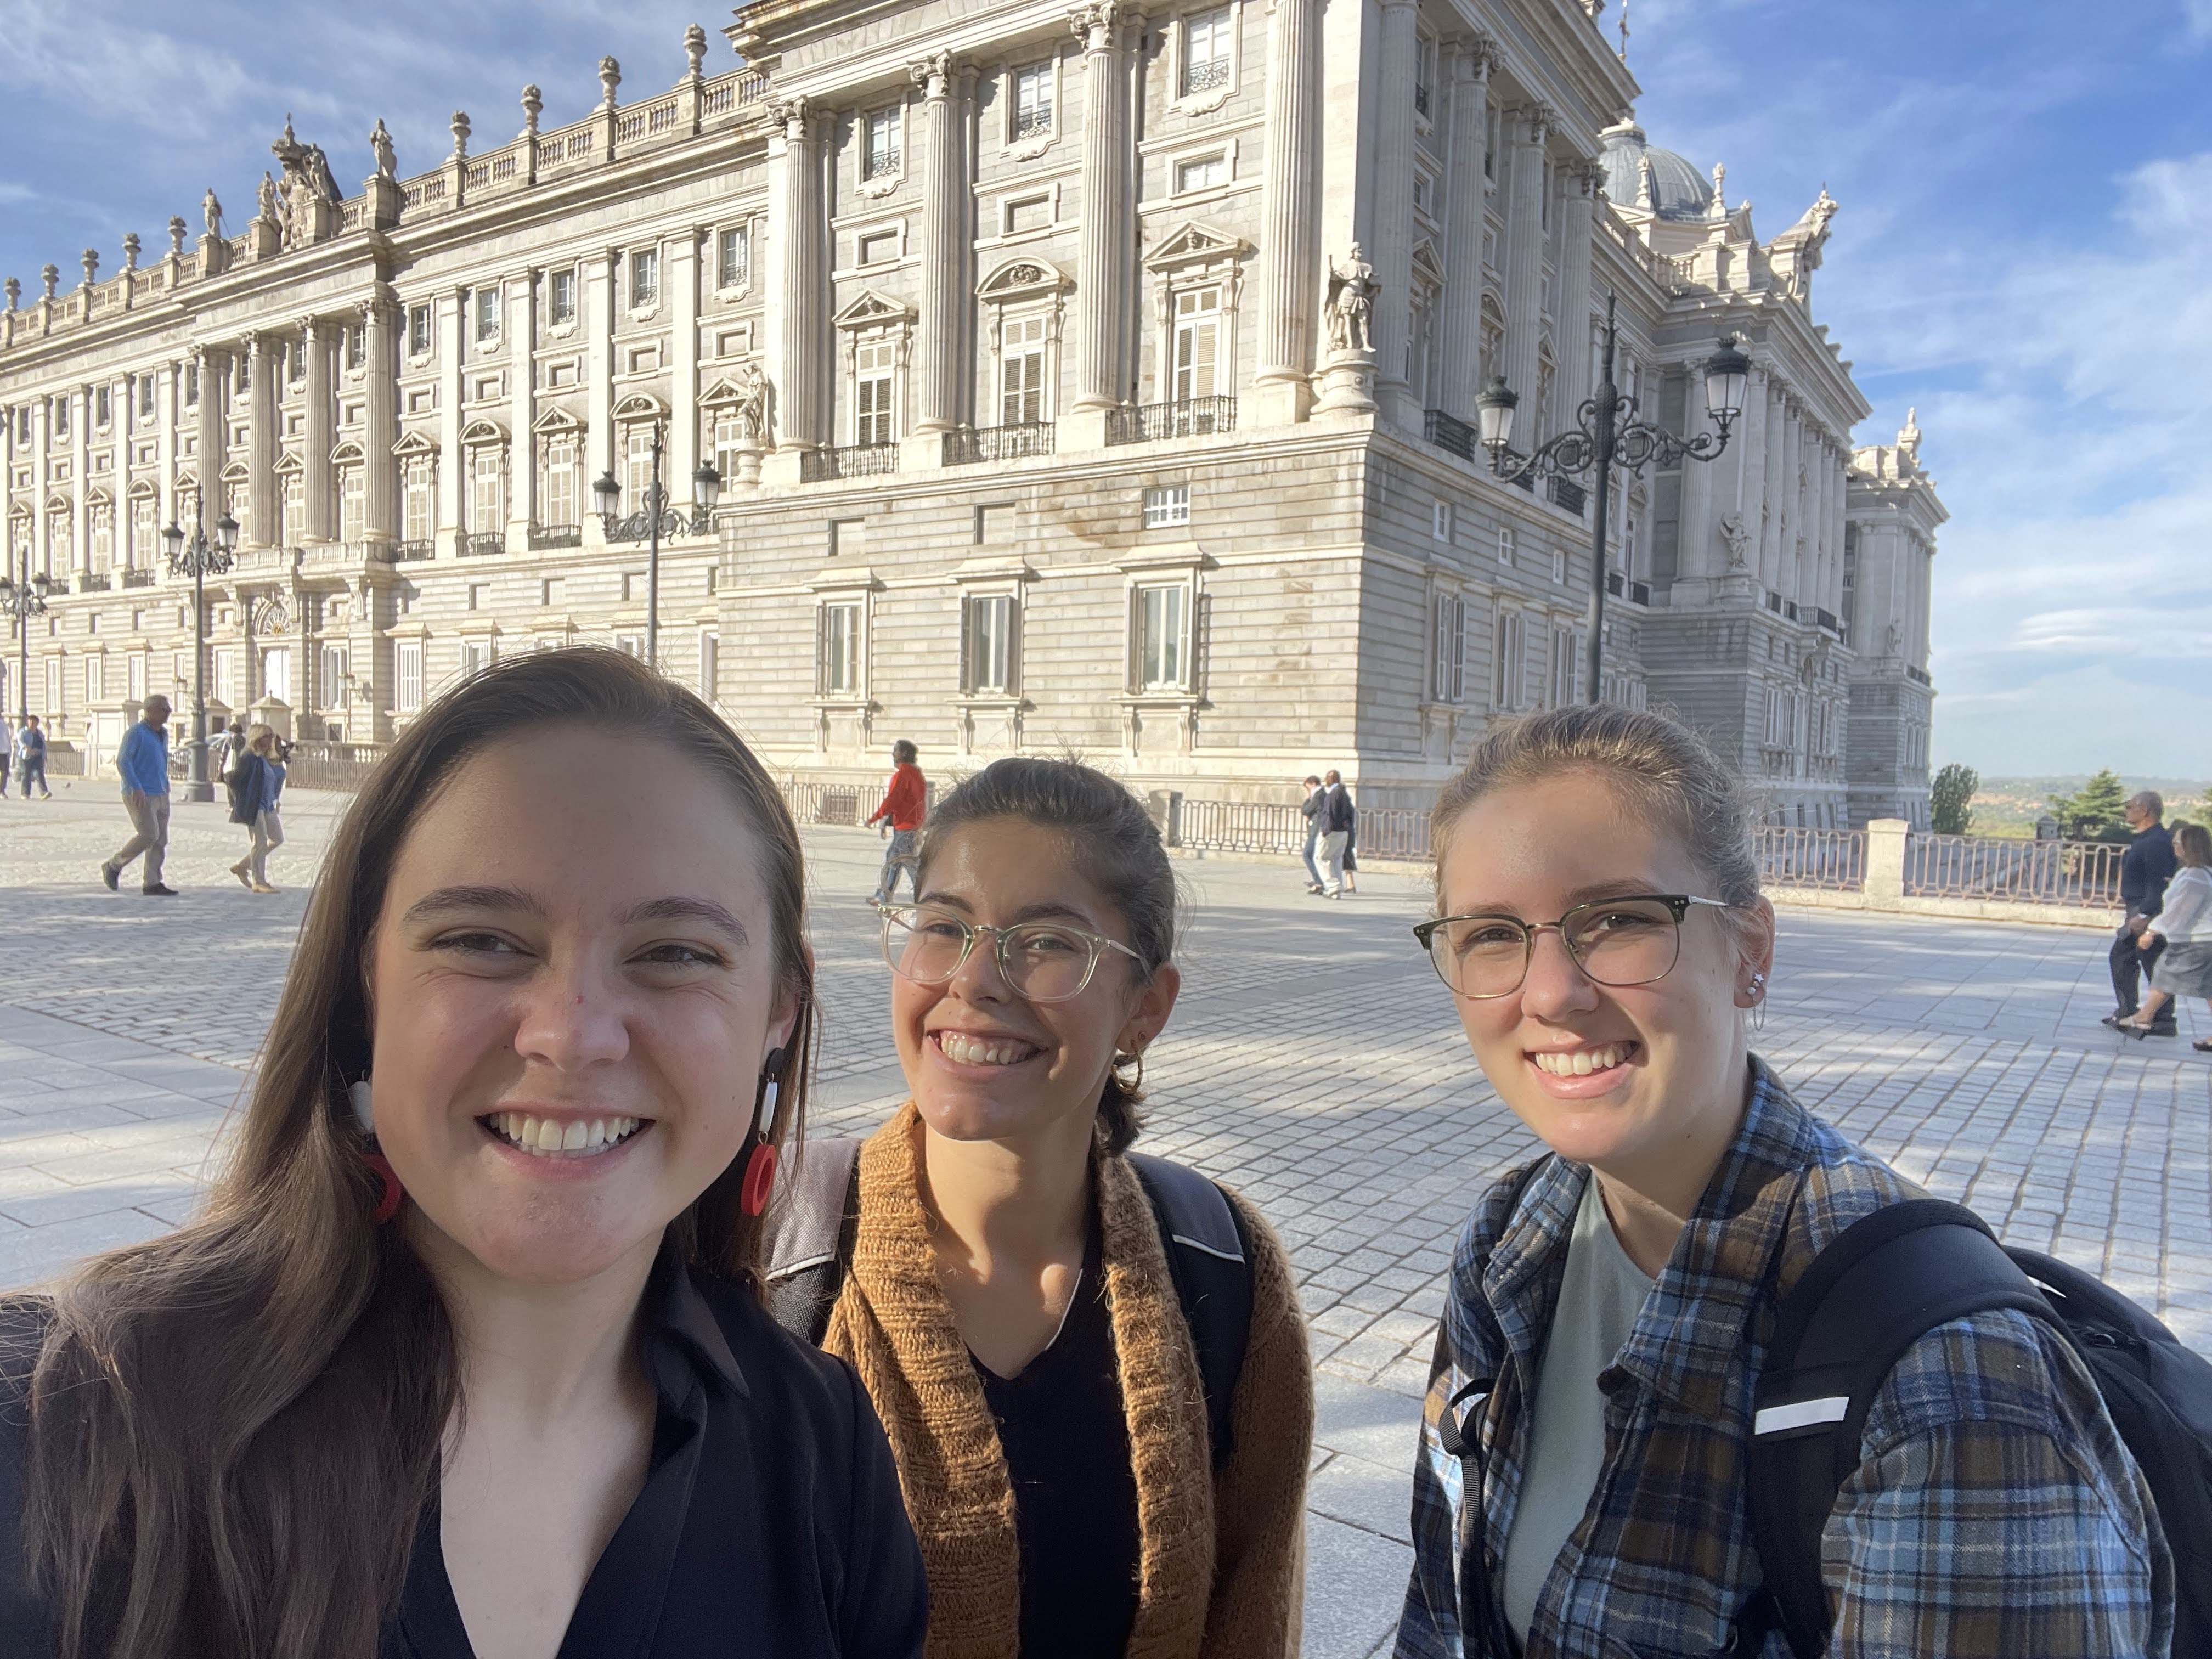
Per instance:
x=1996, y=1513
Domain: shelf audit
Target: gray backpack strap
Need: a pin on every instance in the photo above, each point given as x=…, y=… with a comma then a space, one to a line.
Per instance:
x=810, y=1224
x=1212, y=1273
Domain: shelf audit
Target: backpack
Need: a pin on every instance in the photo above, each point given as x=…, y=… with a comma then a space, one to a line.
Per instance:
x=816, y=1216
x=1889, y=1278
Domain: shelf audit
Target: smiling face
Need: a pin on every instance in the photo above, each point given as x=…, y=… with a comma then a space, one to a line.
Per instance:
x=1641, y=1081
x=572, y=992
x=985, y=1064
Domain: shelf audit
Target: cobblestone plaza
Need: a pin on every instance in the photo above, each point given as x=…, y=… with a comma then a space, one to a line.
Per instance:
x=1314, y=1063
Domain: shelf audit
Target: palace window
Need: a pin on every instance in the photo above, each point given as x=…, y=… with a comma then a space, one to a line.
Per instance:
x=95, y=679
x=1197, y=342
x=1448, y=683
x=54, y=688
x=420, y=498
x=103, y=406
x=330, y=685
x=357, y=346
x=557, y=499
x=1206, y=52
x=488, y=489
x=277, y=673
x=881, y=157
x=145, y=530
x=1204, y=173
x=729, y=431
x=1163, y=637
x=837, y=649
x=61, y=417
x=1167, y=507
x=100, y=524
x=224, y=665
x=874, y=372
x=710, y=663
x=487, y=302
x=1440, y=522
x=1021, y=371
x=735, y=266
x=418, y=330
x=292, y=510
x=645, y=277
x=353, y=503
x=637, y=466
x=1424, y=75
x=1563, y=668
x=146, y=395
x=135, y=670
x=297, y=351
x=1032, y=102
x=406, y=676
x=191, y=386
x=1511, y=661
x=1505, y=547
x=560, y=305
x=987, y=643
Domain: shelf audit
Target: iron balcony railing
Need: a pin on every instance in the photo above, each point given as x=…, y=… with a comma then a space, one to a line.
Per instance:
x=483, y=544
x=1831, y=860
x=1451, y=435
x=1634, y=592
x=853, y=461
x=1566, y=492
x=545, y=536
x=998, y=443
x=1191, y=417
x=403, y=551
x=1204, y=77
x=1917, y=674
x=2069, y=873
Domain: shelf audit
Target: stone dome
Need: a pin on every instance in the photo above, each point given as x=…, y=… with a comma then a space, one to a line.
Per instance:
x=1679, y=191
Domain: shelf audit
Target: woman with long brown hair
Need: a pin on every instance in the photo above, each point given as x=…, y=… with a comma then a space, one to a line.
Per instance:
x=464, y=1356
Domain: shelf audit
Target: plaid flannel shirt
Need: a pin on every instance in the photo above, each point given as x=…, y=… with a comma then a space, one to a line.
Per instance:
x=1996, y=1513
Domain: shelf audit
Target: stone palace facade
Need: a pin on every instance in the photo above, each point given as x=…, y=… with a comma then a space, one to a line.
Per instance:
x=1096, y=380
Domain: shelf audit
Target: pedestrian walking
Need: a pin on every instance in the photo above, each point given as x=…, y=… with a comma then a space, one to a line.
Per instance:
x=2145, y=868
x=31, y=748
x=1581, y=1483
x=2183, y=930
x=255, y=781
x=7, y=754
x=227, y=746
x=142, y=761
x=901, y=816
x=1314, y=806
x=1100, y=1456
x=465, y=1353
x=1338, y=815
x=1351, y=847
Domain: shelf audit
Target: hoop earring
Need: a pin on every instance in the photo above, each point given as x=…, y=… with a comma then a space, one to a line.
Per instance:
x=1759, y=1006
x=1134, y=1085
x=393, y=1196
x=759, y=1155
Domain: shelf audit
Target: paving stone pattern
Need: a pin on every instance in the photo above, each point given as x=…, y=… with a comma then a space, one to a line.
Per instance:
x=1314, y=1063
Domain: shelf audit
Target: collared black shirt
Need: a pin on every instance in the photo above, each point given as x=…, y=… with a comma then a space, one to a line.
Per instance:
x=2145, y=868
x=769, y=1524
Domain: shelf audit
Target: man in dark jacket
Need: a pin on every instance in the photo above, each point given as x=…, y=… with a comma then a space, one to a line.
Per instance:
x=1315, y=808
x=1337, y=817
x=2145, y=869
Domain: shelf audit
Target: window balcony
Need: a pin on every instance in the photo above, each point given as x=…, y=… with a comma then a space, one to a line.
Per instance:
x=402, y=552
x=543, y=537
x=1193, y=417
x=484, y=544
x=93, y=581
x=137, y=579
x=1634, y=592
x=1453, y=435
x=1206, y=76
x=1566, y=492
x=1919, y=676
x=1036, y=124
x=998, y=443
x=851, y=461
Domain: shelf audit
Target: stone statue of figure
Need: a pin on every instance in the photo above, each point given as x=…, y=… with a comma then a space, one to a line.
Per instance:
x=211, y=211
x=750, y=409
x=267, y=200
x=317, y=168
x=387, y=162
x=1738, y=539
x=1351, y=303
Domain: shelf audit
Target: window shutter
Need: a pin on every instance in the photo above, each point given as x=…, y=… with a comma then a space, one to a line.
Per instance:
x=1186, y=675
x=821, y=650
x=1134, y=645
x=967, y=644
x=1013, y=647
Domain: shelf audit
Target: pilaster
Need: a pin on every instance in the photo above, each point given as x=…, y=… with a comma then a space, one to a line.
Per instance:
x=1394, y=213
x=450, y=322
x=1098, y=296
x=683, y=290
x=321, y=427
x=380, y=418
x=519, y=302
x=81, y=478
x=1571, y=320
x=945, y=182
x=801, y=226
x=1770, y=498
x=1524, y=265
x=263, y=368
x=1469, y=192
x=600, y=276
x=1290, y=244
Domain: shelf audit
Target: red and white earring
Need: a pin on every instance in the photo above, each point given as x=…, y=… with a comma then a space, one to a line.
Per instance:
x=394, y=1195
x=759, y=1155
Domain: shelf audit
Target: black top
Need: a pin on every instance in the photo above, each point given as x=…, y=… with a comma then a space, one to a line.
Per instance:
x=1066, y=1440
x=771, y=1519
x=2145, y=868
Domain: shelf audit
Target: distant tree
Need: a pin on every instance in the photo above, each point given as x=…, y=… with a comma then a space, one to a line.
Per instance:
x=2092, y=813
x=1948, y=813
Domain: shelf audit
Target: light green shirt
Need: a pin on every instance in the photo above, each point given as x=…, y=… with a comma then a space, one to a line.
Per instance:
x=1599, y=1300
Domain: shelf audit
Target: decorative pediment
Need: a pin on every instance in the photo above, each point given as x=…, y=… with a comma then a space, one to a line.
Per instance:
x=874, y=310
x=288, y=464
x=641, y=406
x=235, y=473
x=22, y=513
x=557, y=420
x=188, y=480
x=1428, y=267
x=144, y=491
x=482, y=431
x=349, y=454
x=1021, y=279
x=57, y=503
x=97, y=497
x=727, y=391
x=1195, y=243
x=416, y=443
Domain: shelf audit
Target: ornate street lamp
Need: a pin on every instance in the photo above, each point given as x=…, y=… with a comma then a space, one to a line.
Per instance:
x=22, y=604
x=653, y=520
x=200, y=560
x=1610, y=435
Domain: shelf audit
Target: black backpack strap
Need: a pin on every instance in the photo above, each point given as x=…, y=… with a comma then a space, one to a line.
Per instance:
x=1889, y=1279
x=812, y=1223
x=1210, y=1260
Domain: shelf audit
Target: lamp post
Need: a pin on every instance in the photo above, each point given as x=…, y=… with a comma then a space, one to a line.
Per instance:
x=1608, y=434
x=200, y=560
x=22, y=604
x=654, y=519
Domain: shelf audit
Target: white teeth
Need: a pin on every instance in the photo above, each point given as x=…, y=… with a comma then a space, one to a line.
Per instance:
x=545, y=1137
x=1582, y=1062
x=974, y=1051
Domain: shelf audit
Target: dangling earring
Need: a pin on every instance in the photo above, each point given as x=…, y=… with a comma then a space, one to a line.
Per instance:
x=394, y=1195
x=1759, y=1006
x=759, y=1155
x=1132, y=1085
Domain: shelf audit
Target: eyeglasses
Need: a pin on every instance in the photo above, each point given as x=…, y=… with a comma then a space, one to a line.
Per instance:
x=1614, y=941
x=1043, y=962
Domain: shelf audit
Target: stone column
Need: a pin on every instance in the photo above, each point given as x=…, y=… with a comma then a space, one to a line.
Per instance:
x=520, y=331
x=1772, y=412
x=1740, y=494
x=1098, y=296
x=1469, y=192
x=600, y=278
x=81, y=476
x=166, y=404
x=801, y=225
x=1289, y=241
x=1699, y=556
x=264, y=365
x=1524, y=268
x=1393, y=249
x=380, y=418
x=1579, y=208
x=1839, y=496
x=1795, y=524
x=684, y=281
x=937, y=405
x=42, y=427
x=321, y=433
x=450, y=319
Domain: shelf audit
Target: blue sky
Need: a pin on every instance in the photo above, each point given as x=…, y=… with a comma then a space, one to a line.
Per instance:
x=2026, y=193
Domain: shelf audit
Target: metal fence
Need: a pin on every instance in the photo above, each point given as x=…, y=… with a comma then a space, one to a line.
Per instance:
x=2074, y=872
x=1231, y=826
x=341, y=766
x=1833, y=860
x=825, y=803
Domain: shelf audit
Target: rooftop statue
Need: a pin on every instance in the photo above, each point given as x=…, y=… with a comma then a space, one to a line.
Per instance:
x=388, y=163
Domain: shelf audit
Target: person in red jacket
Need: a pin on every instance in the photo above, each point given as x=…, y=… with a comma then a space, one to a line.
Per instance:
x=901, y=817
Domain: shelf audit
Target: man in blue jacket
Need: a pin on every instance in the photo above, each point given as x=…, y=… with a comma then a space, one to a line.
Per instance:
x=142, y=760
x=2145, y=868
